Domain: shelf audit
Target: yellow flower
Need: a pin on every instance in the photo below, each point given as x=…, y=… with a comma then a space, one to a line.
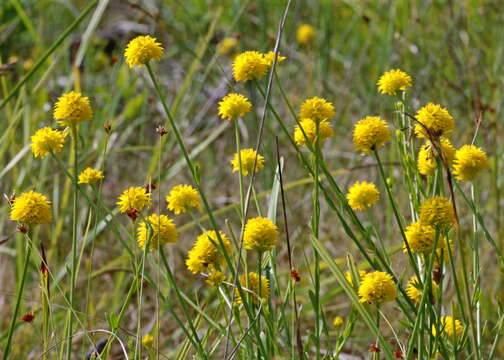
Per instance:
x=147, y=340
x=377, y=287
x=161, y=228
x=317, y=109
x=234, y=106
x=227, y=46
x=469, y=161
x=394, y=81
x=362, y=195
x=414, y=291
x=305, y=34
x=90, y=176
x=348, y=276
x=247, y=160
x=249, y=65
x=310, y=129
x=338, y=321
x=436, y=119
x=437, y=211
x=141, y=50
x=260, y=234
x=270, y=57
x=253, y=286
x=420, y=237
x=449, y=326
x=215, y=277
x=370, y=133
x=134, y=198
x=181, y=198
x=71, y=109
x=31, y=208
x=426, y=161
x=204, y=253
x=47, y=141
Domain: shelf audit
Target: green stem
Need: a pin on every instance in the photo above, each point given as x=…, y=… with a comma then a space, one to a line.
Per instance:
x=240, y=168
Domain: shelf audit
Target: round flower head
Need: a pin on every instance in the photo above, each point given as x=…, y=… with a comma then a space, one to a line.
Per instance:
x=181, y=198
x=147, y=340
x=348, y=276
x=206, y=251
x=469, y=161
x=141, y=50
x=161, y=228
x=47, y=141
x=71, y=109
x=249, y=65
x=437, y=211
x=253, y=286
x=260, y=234
x=414, y=291
x=305, y=34
x=436, y=119
x=370, y=133
x=134, y=198
x=377, y=287
x=90, y=176
x=31, y=208
x=247, y=160
x=317, y=109
x=420, y=237
x=270, y=57
x=426, y=162
x=310, y=129
x=362, y=195
x=449, y=326
x=338, y=321
x=215, y=277
x=234, y=106
x=227, y=46
x=394, y=81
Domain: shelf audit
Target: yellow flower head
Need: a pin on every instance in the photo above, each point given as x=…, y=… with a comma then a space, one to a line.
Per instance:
x=161, y=228
x=90, y=176
x=426, y=161
x=377, y=287
x=469, y=161
x=147, y=340
x=362, y=195
x=420, y=237
x=181, y=198
x=47, y=141
x=31, y=208
x=270, y=57
x=247, y=160
x=317, y=109
x=134, y=198
x=227, y=46
x=449, y=326
x=348, y=276
x=250, y=65
x=414, y=291
x=310, y=129
x=215, y=277
x=253, y=286
x=370, y=133
x=141, y=50
x=338, y=321
x=234, y=106
x=204, y=253
x=436, y=119
x=260, y=234
x=72, y=108
x=305, y=34
x=437, y=211
x=394, y=81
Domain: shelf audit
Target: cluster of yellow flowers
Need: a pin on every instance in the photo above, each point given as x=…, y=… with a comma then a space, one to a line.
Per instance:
x=253, y=65
x=314, y=125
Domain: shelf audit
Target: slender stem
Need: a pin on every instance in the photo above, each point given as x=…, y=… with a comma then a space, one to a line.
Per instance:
x=476, y=269
x=240, y=168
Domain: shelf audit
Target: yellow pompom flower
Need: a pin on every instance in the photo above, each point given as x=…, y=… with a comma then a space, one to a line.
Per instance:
x=310, y=130
x=270, y=57
x=182, y=198
x=338, y=321
x=426, y=162
x=377, y=287
x=90, y=176
x=449, y=326
x=227, y=46
x=233, y=106
x=134, y=198
x=362, y=195
x=161, y=230
x=204, y=253
x=31, y=208
x=305, y=34
x=250, y=65
x=141, y=50
x=437, y=211
x=260, y=234
x=414, y=291
x=469, y=161
x=72, y=108
x=215, y=277
x=420, y=237
x=436, y=119
x=47, y=141
x=394, y=81
x=147, y=340
x=370, y=133
x=247, y=161
x=348, y=276
x=253, y=286
x=317, y=109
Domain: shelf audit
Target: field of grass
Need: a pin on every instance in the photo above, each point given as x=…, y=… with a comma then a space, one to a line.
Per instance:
x=87, y=275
